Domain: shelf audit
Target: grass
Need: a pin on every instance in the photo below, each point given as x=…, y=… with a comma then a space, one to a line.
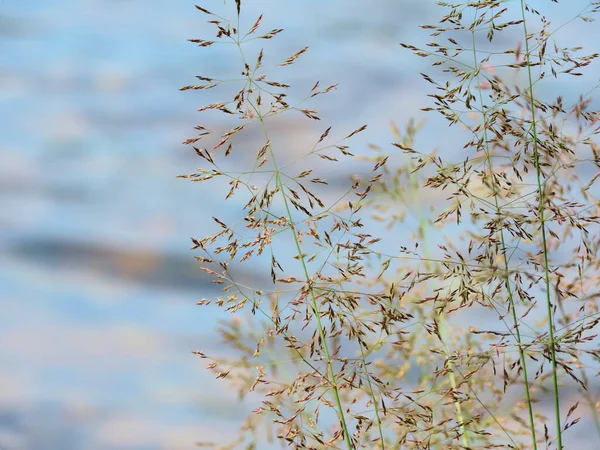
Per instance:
x=477, y=306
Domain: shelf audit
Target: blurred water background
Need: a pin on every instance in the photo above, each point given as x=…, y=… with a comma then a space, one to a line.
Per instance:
x=97, y=286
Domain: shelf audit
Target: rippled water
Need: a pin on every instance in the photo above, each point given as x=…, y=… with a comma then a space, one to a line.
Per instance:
x=97, y=288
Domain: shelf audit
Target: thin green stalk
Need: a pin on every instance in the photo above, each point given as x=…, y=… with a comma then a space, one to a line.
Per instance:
x=542, y=212
x=315, y=308
x=459, y=414
x=444, y=337
x=373, y=399
x=313, y=304
x=506, y=267
x=371, y=391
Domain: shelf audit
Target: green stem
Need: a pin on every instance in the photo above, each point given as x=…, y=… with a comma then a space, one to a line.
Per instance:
x=313, y=300
x=444, y=338
x=373, y=398
x=315, y=308
x=503, y=249
x=542, y=212
x=459, y=414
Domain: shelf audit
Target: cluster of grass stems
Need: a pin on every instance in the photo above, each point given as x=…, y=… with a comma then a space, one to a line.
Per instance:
x=470, y=321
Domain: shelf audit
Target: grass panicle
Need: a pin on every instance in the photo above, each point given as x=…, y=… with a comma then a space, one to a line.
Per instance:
x=441, y=299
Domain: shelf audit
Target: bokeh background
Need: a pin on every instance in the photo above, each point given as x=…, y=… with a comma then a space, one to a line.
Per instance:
x=97, y=285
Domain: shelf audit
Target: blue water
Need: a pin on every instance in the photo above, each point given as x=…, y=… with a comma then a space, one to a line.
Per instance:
x=97, y=287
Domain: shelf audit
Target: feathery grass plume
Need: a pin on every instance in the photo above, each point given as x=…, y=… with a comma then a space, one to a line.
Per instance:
x=471, y=320
x=519, y=178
